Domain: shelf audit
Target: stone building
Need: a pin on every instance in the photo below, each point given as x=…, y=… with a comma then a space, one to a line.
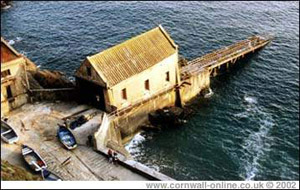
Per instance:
x=130, y=72
x=14, y=83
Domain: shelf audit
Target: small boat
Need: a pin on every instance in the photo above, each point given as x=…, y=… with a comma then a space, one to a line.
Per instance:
x=8, y=134
x=66, y=137
x=49, y=176
x=33, y=159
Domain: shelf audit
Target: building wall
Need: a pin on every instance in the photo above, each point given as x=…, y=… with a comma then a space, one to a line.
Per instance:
x=129, y=122
x=17, y=82
x=197, y=83
x=82, y=73
x=135, y=86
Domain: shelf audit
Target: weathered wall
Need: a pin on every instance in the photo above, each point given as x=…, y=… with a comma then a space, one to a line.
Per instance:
x=129, y=122
x=198, y=82
x=17, y=82
x=83, y=74
x=135, y=85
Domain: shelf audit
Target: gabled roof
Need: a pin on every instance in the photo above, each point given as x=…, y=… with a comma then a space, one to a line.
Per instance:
x=133, y=56
x=8, y=53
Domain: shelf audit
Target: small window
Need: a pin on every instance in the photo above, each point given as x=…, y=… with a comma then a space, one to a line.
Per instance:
x=8, y=92
x=147, y=85
x=89, y=71
x=124, y=94
x=168, y=76
x=5, y=73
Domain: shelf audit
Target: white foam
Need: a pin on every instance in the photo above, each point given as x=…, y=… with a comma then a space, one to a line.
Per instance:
x=71, y=78
x=250, y=100
x=241, y=115
x=11, y=42
x=132, y=146
x=18, y=39
x=154, y=167
x=6, y=7
x=256, y=146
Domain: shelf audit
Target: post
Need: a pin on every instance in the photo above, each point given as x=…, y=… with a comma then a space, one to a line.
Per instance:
x=215, y=72
x=227, y=65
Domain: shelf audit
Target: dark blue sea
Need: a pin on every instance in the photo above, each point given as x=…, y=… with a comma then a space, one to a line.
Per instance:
x=249, y=128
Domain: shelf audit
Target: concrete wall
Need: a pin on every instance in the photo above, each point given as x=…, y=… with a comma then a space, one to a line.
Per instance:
x=198, y=82
x=17, y=82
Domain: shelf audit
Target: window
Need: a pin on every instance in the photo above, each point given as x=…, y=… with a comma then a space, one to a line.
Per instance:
x=124, y=94
x=5, y=73
x=147, y=85
x=89, y=71
x=8, y=92
x=168, y=76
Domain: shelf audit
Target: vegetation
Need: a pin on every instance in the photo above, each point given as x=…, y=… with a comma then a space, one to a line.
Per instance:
x=11, y=172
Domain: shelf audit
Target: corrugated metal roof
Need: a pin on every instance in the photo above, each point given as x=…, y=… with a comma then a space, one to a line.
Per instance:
x=133, y=56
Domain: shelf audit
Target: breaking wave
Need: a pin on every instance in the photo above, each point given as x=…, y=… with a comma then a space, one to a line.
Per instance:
x=132, y=146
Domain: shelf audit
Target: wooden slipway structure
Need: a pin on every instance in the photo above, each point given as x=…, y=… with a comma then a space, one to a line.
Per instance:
x=195, y=76
x=227, y=55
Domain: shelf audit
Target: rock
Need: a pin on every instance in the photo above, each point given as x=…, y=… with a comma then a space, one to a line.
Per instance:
x=5, y=4
x=149, y=127
x=51, y=79
x=167, y=117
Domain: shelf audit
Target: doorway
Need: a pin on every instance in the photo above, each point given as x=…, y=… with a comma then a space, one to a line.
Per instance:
x=91, y=93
